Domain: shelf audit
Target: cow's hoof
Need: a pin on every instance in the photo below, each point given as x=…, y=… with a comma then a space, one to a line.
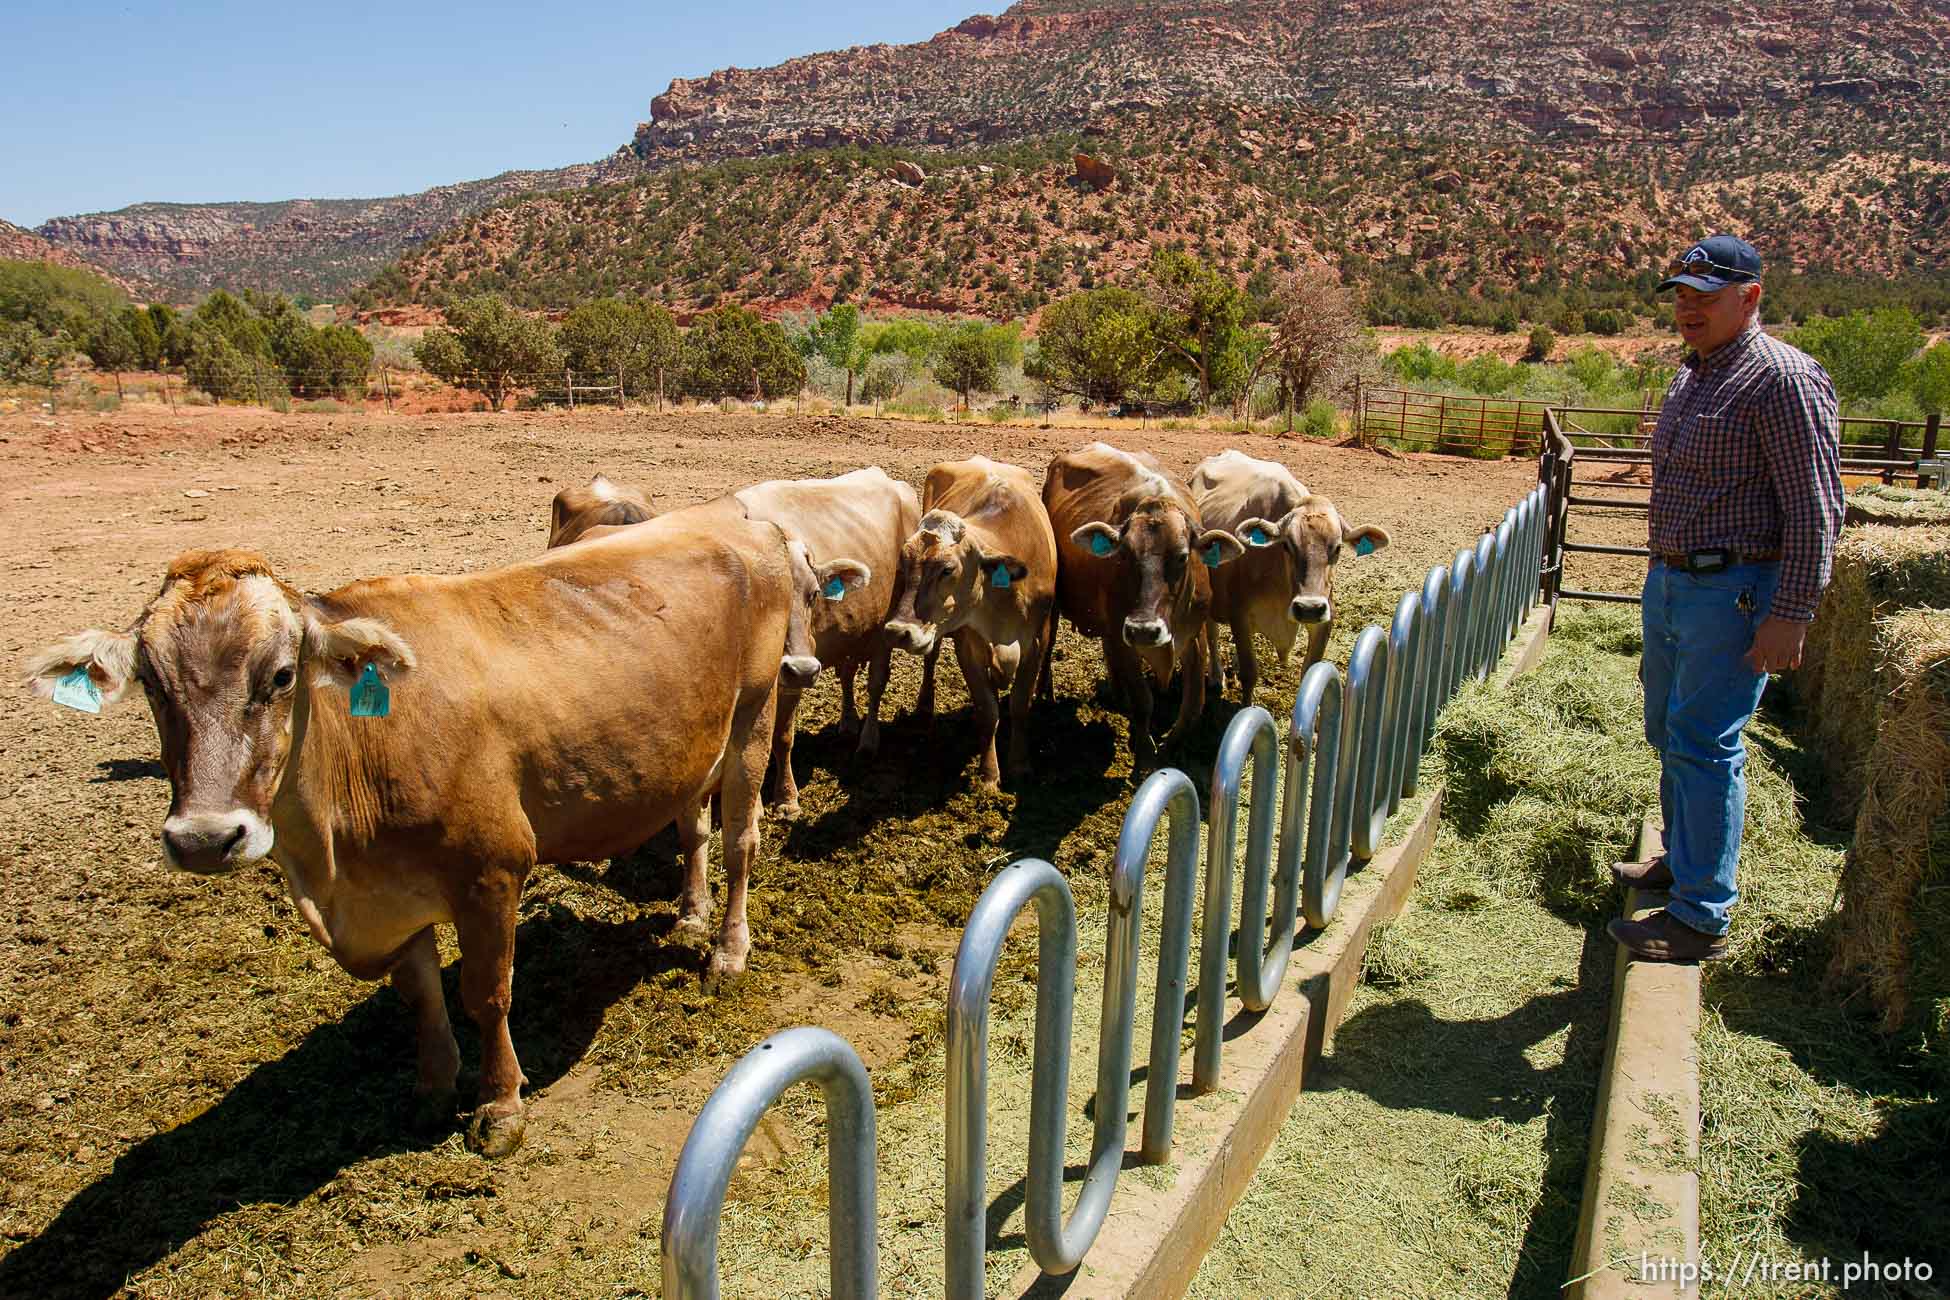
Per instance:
x=723, y=973
x=496, y=1136
x=692, y=926
x=869, y=743
x=433, y=1112
x=786, y=812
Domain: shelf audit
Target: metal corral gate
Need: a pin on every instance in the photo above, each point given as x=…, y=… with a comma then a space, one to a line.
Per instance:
x=1359, y=738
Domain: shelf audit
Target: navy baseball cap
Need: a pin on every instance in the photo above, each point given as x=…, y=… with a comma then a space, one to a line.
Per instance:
x=1712, y=264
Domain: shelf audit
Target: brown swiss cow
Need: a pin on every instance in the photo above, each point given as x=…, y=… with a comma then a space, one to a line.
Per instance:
x=1133, y=562
x=561, y=709
x=981, y=568
x=1285, y=580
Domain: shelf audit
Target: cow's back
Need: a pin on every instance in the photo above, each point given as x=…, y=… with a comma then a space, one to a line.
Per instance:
x=864, y=515
x=590, y=691
x=1232, y=486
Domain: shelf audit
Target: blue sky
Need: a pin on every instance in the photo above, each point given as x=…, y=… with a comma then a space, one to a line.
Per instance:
x=208, y=100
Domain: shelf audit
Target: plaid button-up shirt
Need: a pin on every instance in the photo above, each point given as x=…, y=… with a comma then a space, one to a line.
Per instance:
x=1746, y=456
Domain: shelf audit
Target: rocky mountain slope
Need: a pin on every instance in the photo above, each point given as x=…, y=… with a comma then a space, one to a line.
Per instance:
x=1849, y=74
x=17, y=245
x=317, y=247
x=1467, y=142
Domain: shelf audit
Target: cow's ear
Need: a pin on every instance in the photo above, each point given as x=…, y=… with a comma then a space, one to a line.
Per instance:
x=89, y=671
x=1366, y=540
x=1096, y=537
x=1001, y=570
x=1259, y=532
x=837, y=577
x=1216, y=546
x=342, y=649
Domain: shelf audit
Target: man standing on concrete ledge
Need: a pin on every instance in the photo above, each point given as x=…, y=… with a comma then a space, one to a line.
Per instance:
x=1746, y=506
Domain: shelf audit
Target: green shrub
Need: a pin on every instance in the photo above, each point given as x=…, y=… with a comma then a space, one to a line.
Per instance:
x=1320, y=420
x=1542, y=343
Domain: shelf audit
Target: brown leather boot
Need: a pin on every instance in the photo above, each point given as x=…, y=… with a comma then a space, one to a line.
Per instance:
x=1664, y=937
x=1646, y=873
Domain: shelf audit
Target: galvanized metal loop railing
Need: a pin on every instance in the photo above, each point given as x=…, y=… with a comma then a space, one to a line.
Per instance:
x=1316, y=730
x=697, y=1188
x=1022, y=882
x=1262, y=959
x=1353, y=752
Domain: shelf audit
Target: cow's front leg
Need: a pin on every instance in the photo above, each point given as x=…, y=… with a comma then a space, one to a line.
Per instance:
x=417, y=978
x=785, y=789
x=849, y=713
x=1191, y=700
x=973, y=654
x=1247, y=658
x=1022, y=693
x=876, y=687
x=1317, y=635
x=924, y=702
x=1215, y=670
x=486, y=923
x=1048, y=683
x=694, y=837
x=1131, y=683
x=739, y=800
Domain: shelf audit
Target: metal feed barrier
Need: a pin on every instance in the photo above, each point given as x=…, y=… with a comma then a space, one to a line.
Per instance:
x=1353, y=753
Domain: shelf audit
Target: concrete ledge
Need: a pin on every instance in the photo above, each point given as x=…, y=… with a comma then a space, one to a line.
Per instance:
x=1638, y=1229
x=1154, y=1239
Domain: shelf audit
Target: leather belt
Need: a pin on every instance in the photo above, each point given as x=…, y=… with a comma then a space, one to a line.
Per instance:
x=1712, y=559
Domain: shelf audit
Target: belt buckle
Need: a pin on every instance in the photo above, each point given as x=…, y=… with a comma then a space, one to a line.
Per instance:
x=1710, y=559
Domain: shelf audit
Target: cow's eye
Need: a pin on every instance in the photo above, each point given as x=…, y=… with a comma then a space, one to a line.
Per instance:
x=281, y=679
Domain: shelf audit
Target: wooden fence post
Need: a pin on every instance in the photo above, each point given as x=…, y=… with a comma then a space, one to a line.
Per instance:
x=1931, y=427
x=569, y=382
x=619, y=388
x=386, y=386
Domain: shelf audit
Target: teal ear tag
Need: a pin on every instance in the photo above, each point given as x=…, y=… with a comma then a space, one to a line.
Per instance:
x=1212, y=556
x=1364, y=547
x=1001, y=578
x=835, y=589
x=1099, y=544
x=78, y=691
x=1257, y=537
x=370, y=698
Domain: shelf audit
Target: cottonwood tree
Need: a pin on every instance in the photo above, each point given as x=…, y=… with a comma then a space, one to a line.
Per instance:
x=489, y=347
x=972, y=355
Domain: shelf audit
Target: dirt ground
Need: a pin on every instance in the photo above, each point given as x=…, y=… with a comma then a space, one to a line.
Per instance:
x=195, y=1100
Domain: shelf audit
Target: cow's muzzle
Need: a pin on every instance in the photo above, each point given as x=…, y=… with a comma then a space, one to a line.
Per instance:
x=1311, y=609
x=1146, y=631
x=796, y=672
x=915, y=638
x=214, y=843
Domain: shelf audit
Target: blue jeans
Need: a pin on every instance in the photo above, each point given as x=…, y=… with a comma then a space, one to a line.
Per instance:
x=1699, y=695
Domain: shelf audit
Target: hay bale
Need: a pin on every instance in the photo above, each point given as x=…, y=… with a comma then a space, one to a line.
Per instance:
x=1904, y=798
x=1878, y=570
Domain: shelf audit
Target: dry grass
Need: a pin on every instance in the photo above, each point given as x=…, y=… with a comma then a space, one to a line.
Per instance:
x=1886, y=503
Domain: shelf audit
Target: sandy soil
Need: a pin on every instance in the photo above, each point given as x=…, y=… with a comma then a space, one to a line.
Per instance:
x=195, y=1100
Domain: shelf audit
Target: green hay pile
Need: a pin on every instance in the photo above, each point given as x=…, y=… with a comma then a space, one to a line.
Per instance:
x=1884, y=503
x=1878, y=570
x=1905, y=791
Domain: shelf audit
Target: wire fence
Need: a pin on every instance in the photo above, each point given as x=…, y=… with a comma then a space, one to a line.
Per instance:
x=1352, y=754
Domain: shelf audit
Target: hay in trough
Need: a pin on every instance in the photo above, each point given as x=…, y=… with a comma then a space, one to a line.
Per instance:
x=1905, y=788
x=1885, y=503
x=1878, y=570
